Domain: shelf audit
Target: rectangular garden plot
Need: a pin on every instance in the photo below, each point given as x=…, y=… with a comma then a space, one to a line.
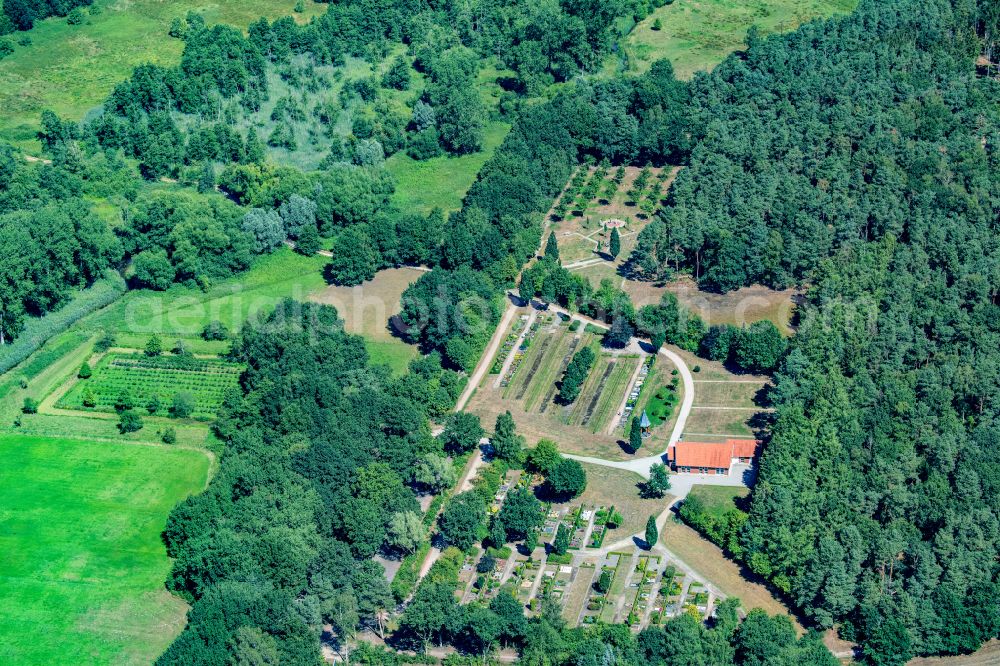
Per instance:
x=143, y=377
x=580, y=588
x=555, y=582
x=602, y=393
x=642, y=585
x=618, y=583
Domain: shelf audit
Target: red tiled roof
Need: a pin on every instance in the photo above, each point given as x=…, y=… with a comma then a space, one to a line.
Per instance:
x=716, y=455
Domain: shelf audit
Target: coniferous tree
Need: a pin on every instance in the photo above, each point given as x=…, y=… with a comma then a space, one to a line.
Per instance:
x=561, y=543
x=206, y=180
x=615, y=244
x=88, y=398
x=652, y=534
x=575, y=375
x=507, y=444
x=254, y=152
x=552, y=248
x=154, y=347
x=635, y=435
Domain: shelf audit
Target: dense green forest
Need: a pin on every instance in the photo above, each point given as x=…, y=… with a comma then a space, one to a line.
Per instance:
x=22, y=14
x=53, y=242
x=856, y=156
x=319, y=460
x=860, y=155
x=821, y=139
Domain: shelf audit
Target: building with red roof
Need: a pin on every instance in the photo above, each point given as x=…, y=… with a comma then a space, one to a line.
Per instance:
x=712, y=457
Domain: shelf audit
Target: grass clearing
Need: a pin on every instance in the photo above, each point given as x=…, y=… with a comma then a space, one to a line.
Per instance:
x=737, y=308
x=396, y=354
x=727, y=394
x=368, y=310
x=708, y=424
x=183, y=311
x=72, y=69
x=83, y=567
x=607, y=486
x=723, y=401
x=988, y=655
x=696, y=35
x=595, y=273
x=718, y=499
x=440, y=182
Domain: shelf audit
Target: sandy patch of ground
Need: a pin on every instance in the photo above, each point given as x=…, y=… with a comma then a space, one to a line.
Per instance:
x=367, y=308
x=741, y=307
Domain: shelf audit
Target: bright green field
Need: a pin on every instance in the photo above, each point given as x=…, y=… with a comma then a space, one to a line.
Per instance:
x=699, y=34
x=71, y=69
x=440, y=182
x=717, y=500
x=182, y=312
x=81, y=561
x=394, y=353
x=206, y=379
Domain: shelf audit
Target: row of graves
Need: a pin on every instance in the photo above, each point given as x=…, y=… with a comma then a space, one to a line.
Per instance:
x=629, y=586
x=518, y=350
x=485, y=572
x=508, y=345
x=639, y=589
x=636, y=390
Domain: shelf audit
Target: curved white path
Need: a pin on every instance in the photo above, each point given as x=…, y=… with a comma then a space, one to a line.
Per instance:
x=641, y=466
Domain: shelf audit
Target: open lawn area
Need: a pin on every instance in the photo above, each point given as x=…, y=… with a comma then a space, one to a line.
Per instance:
x=182, y=312
x=440, y=182
x=988, y=655
x=726, y=404
x=71, y=69
x=718, y=499
x=83, y=566
x=739, y=308
x=696, y=35
x=607, y=486
x=368, y=309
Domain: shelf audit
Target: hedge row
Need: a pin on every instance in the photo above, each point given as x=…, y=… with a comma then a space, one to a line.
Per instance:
x=39, y=330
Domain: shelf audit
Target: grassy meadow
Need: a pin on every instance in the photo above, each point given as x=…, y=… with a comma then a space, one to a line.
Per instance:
x=440, y=182
x=696, y=35
x=717, y=500
x=83, y=566
x=367, y=310
x=182, y=312
x=71, y=69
